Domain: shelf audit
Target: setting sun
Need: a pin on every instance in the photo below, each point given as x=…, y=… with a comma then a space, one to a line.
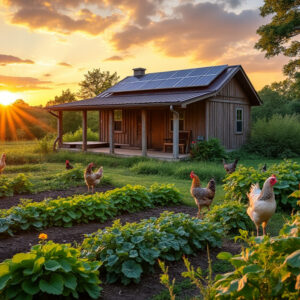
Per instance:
x=7, y=98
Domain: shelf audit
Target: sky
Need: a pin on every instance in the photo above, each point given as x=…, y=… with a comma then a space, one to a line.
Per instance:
x=48, y=45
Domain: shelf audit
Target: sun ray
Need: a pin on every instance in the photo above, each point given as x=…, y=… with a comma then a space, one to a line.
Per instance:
x=2, y=124
x=11, y=124
x=22, y=124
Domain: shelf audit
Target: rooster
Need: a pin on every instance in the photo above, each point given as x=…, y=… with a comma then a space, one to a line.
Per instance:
x=264, y=168
x=68, y=165
x=202, y=196
x=230, y=168
x=262, y=204
x=91, y=178
x=2, y=163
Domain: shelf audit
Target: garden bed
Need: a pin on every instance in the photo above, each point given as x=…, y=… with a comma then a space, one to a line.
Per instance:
x=9, y=201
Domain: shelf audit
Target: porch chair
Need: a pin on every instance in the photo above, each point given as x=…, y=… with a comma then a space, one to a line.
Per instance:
x=184, y=141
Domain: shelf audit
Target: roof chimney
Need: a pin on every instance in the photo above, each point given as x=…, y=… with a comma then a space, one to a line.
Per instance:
x=138, y=72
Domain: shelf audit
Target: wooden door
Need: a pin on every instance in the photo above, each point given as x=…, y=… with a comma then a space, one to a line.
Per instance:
x=157, y=129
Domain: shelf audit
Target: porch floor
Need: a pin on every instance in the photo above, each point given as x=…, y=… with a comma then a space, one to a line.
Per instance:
x=133, y=152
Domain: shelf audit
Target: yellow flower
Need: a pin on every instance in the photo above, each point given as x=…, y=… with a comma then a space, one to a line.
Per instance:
x=43, y=236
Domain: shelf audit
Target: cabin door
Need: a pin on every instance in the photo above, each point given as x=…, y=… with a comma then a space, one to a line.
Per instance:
x=157, y=129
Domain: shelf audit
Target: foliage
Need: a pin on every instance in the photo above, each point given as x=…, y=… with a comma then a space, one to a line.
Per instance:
x=207, y=150
x=49, y=269
x=68, y=176
x=278, y=137
x=276, y=35
x=45, y=145
x=65, y=97
x=238, y=184
x=95, y=82
x=16, y=185
x=84, y=208
x=268, y=269
x=165, y=280
x=128, y=251
x=232, y=216
x=77, y=136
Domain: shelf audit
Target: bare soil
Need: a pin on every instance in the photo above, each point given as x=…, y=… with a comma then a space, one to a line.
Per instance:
x=150, y=283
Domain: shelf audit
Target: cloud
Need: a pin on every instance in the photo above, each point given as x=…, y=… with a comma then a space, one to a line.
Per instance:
x=114, y=58
x=64, y=64
x=9, y=59
x=14, y=84
x=60, y=16
x=204, y=31
x=231, y=3
x=47, y=75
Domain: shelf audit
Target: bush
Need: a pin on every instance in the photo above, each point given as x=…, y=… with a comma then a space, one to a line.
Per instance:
x=238, y=184
x=49, y=269
x=128, y=251
x=17, y=185
x=77, y=136
x=231, y=215
x=269, y=268
x=44, y=145
x=84, y=208
x=207, y=150
x=5, y=187
x=278, y=137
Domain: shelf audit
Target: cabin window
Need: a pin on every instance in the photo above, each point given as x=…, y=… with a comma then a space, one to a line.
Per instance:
x=239, y=120
x=118, y=118
x=181, y=120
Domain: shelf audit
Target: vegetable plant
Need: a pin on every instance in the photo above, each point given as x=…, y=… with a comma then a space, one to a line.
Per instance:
x=128, y=251
x=17, y=185
x=49, y=269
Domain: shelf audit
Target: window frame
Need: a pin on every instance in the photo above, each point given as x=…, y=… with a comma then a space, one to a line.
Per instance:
x=241, y=120
x=118, y=121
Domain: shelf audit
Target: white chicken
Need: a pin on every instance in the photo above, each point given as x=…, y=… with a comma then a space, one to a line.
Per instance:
x=91, y=178
x=262, y=204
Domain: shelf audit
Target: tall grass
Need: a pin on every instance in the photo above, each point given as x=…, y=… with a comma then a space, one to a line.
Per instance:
x=77, y=136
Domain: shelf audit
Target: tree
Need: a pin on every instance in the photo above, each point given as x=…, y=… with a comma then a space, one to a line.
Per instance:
x=65, y=97
x=277, y=36
x=96, y=82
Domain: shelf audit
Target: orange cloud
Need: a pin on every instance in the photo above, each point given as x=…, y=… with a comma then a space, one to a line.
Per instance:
x=64, y=64
x=60, y=16
x=9, y=59
x=15, y=84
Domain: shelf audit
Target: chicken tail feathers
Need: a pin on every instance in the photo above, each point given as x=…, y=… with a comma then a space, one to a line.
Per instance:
x=254, y=192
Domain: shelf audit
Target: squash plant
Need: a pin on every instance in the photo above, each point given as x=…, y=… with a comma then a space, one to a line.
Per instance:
x=17, y=185
x=268, y=269
x=128, y=251
x=238, y=184
x=49, y=269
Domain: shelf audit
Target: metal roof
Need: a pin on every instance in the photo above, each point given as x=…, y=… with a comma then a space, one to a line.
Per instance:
x=171, y=96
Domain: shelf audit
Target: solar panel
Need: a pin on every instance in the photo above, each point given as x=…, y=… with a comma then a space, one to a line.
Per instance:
x=172, y=79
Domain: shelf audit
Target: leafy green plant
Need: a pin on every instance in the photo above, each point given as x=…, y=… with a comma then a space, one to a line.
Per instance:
x=49, y=269
x=70, y=176
x=268, y=269
x=5, y=187
x=21, y=184
x=165, y=280
x=44, y=145
x=238, y=184
x=231, y=215
x=207, y=150
x=84, y=208
x=77, y=136
x=128, y=251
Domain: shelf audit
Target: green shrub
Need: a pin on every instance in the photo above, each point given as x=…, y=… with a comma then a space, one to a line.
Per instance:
x=153, y=168
x=68, y=176
x=268, y=269
x=77, y=136
x=278, y=137
x=84, y=208
x=49, y=269
x=238, y=184
x=231, y=215
x=21, y=184
x=44, y=145
x=207, y=150
x=130, y=250
x=5, y=187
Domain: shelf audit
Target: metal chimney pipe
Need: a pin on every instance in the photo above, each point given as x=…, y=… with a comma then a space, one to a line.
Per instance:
x=138, y=72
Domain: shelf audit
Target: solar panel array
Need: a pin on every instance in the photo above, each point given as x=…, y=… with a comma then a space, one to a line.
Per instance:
x=199, y=77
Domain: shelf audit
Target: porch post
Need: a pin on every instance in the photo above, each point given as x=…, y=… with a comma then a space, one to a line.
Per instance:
x=175, y=134
x=84, y=130
x=99, y=129
x=144, y=132
x=206, y=120
x=111, y=132
x=60, y=129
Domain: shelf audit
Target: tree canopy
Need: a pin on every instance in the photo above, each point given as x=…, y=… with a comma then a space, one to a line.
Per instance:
x=95, y=82
x=65, y=97
x=278, y=36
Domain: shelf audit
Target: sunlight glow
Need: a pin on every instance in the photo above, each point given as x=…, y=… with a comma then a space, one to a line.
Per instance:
x=7, y=98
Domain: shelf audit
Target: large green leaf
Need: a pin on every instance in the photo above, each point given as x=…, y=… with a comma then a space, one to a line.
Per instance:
x=70, y=281
x=52, y=265
x=3, y=280
x=131, y=269
x=54, y=286
x=92, y=290
x=30, y=287
x=293, y=259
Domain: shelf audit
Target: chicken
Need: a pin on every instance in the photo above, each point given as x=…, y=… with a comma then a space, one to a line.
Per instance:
x=262, y=204
x=2, y=163
x=91, y=178
x=264, y=168
x=202, y=196
x=230, y=168
x=68, y=165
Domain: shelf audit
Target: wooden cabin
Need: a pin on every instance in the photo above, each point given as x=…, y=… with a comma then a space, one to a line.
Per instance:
x=166, y=111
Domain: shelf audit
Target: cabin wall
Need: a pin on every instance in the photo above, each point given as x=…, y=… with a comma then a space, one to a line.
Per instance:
x=222, y=118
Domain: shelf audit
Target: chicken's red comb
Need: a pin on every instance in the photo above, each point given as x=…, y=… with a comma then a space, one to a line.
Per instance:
x=273, y=175
x=67, y=161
